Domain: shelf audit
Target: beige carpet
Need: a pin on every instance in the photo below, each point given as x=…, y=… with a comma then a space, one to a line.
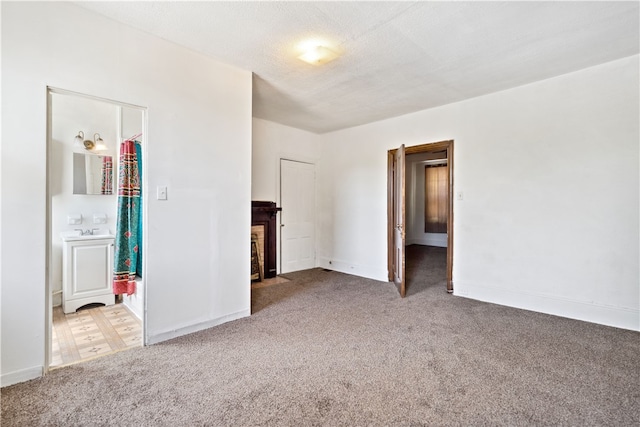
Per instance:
x=336, y=350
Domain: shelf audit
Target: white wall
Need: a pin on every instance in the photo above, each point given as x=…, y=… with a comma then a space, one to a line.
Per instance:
x=70, y=114
x=415, y=201
x=272, y=142
x=352, y=202
x=199, y=145
x=549, y=171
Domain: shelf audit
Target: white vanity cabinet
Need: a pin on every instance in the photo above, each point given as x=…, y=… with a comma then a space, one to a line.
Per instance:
x=87, y=271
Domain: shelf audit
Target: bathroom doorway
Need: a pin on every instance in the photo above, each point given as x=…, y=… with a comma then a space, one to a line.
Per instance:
x=85, y=139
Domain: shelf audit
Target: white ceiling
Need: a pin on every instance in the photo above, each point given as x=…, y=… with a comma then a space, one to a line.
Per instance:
x=397, y=57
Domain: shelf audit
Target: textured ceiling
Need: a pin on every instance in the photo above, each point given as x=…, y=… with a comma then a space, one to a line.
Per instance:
x=397, y=57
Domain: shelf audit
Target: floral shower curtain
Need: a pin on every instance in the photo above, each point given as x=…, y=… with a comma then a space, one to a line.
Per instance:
x=107, y=174
x=128, y=226
x=139, y=263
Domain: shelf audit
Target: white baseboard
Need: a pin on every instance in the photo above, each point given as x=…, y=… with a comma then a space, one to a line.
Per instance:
x=439, y=240
x=135, y=302
x=355, y=269
x=619, y=317
x=133, y=308
x=164, y=336
x=21, y=376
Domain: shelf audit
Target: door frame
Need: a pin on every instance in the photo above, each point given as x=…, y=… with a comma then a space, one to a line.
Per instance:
x=48, y=282
x=423, y=148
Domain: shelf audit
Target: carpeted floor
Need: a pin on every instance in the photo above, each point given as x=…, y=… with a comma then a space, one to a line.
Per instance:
x=337, y=350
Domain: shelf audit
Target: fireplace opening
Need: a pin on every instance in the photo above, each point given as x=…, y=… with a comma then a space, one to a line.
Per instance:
x=257, y=253
x=263, y=225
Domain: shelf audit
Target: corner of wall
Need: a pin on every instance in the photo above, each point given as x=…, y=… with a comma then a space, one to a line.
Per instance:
x=368, y=272
x=155, y=338
x=21, y=376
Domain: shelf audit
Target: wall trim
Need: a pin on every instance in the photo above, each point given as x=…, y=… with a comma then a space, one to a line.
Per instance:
x=175, y=333
x=619, y=317
x=21, y=376
x=353, y=269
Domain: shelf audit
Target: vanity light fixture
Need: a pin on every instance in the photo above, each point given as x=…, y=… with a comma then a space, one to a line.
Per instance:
x=318, y=55
x=96, y=145
x=78, y=141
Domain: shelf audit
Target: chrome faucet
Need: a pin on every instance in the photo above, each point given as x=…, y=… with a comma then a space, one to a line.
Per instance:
x=86, y=232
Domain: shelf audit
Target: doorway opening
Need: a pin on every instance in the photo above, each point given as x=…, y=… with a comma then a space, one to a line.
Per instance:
x=425, y=155
x=87, y=138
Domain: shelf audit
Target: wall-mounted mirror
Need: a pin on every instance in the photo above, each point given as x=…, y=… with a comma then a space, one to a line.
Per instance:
x=92, y=174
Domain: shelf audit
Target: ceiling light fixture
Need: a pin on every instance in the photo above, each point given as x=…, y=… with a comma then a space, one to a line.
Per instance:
x=318, y=55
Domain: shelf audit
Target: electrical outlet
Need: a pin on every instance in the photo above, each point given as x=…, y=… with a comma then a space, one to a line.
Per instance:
x=99, y=218
x=74, y=219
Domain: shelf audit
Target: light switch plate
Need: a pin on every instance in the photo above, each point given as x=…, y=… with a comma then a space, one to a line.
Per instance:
x=162, y=192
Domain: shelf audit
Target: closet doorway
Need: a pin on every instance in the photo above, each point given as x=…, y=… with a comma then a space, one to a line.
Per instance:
x=408, y=169
x=85, y=138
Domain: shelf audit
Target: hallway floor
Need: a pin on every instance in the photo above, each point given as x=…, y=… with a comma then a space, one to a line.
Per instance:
x=269, y=282
x=426, y=266
x=93, y=332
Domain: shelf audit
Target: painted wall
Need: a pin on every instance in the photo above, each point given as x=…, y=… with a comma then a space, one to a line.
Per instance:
x=415, y=201
x=549, y=172
x=272, y=142
x=70, y=114
x=198, y=144
x=352, y=201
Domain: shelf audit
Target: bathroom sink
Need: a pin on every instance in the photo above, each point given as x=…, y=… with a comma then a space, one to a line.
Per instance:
x=73, y=235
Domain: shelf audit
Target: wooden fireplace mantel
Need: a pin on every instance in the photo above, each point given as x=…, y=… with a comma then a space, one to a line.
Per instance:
x=264, y=213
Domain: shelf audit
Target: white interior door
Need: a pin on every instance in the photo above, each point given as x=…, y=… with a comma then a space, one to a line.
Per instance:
x=297, y=219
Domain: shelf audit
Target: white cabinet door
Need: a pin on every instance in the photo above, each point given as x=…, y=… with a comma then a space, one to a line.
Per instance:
x=90, y=270
x=87, y=275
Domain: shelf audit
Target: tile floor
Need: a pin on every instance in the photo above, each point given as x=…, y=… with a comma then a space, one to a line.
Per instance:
x=92, y=332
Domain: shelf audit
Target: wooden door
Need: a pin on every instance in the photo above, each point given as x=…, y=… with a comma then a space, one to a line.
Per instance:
x=399, y=220
x=297, y=218
x=395, y=209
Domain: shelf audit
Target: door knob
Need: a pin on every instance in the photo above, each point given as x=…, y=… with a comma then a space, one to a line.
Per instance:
x=281, y=225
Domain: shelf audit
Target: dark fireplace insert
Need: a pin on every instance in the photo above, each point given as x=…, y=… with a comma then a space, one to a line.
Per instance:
x=263, y=223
